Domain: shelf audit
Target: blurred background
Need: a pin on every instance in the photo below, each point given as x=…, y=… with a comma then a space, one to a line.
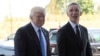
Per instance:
x=15, y=13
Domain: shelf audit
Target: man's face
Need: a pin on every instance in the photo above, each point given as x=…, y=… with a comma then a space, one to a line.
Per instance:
x=38, y=18
x=74, y=13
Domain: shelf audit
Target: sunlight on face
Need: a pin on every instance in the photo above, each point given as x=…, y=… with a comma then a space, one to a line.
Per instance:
x=38, y=18
x=74, y=13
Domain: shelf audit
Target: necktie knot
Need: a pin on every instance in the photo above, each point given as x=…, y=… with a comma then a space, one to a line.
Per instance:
x=39, y=30
x=40, y=34
x=76, y=26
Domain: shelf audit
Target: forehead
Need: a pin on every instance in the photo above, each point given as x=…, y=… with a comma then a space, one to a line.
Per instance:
x=38, y=13
x=74, y=7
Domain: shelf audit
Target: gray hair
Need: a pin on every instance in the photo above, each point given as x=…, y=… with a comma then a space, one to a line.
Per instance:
x=73, y=3
x=37, y=9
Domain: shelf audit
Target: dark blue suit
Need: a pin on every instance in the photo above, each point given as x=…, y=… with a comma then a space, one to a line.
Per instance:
x=70, y=45
x=27, y=43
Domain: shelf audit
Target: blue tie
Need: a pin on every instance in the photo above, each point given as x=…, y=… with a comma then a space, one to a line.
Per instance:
x=41, y=42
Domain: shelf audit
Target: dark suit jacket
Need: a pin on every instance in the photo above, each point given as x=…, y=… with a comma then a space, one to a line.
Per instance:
x=27, y=43
x=70, y=45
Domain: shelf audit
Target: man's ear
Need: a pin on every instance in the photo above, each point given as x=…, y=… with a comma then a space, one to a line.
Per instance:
x=31, y=17
x=80, y=13
x=67, y=13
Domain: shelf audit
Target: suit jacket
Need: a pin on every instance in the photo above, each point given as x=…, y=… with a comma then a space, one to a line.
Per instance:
x=27, y=43
x=70, y=45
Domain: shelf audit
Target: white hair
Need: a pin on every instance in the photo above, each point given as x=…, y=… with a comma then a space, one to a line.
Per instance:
x=72, y=3
x=37, y=9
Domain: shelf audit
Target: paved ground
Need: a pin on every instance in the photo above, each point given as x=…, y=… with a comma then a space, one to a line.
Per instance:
x=10, y=52
x=96, y=55
x=5, y=51
x=93, y=55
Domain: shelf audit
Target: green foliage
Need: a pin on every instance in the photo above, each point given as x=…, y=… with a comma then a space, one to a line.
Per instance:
x=59, y=3
x=98, y=9
x=58, y=6
x=86, y=5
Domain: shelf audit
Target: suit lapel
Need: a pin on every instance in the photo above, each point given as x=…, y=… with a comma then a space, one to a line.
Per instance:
x=82, y=37
x=71, y=30
x=74, y=37
x=33, y=35
x=45, y=35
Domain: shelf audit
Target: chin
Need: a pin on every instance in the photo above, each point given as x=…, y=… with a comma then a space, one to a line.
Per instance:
x=40, y=25
x=74, y=21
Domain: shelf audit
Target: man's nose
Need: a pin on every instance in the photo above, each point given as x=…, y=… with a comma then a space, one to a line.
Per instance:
x=41, y=18
x=74, y=12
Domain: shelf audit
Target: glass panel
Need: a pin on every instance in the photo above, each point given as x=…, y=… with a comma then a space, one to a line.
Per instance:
x=53, y=38
x=96, y=37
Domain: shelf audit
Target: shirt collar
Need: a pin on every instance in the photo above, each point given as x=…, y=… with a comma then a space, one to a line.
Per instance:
x=72, y=24
x=35, y=27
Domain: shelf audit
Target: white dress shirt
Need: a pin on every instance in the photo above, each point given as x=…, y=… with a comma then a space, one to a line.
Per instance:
x=36, y=30
x=74, y=27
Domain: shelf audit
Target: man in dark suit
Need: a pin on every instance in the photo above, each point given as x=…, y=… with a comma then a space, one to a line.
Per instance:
x=32, y=39
x=72, y=38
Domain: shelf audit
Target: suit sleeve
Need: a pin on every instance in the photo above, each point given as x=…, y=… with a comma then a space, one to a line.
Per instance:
x=88, y=48
x=20, y=43
x=61, y=44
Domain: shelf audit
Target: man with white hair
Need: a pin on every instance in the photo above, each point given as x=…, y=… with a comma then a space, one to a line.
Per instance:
x=32, y=39
x=72, y=38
